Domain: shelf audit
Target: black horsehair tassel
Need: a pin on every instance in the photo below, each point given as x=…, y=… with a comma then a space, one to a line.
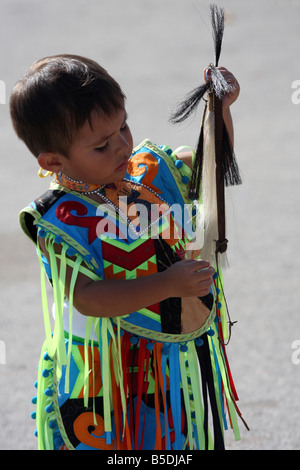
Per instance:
x=227, y=171
x=219, y=86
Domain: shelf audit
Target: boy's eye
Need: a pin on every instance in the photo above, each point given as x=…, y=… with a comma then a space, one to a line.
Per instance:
x=102, y=149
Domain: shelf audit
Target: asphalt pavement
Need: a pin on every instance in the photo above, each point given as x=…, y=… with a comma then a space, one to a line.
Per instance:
x=157, y=50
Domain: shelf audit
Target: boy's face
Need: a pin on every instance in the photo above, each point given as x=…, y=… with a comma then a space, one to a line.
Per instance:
x=99, y=153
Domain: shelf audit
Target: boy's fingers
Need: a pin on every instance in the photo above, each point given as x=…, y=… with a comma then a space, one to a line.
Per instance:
x=207, y=273
x=197, y=264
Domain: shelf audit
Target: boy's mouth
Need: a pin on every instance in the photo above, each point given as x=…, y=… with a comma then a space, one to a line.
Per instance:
x=123, y=165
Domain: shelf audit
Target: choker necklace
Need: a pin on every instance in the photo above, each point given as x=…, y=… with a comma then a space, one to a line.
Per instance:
x=75, y=185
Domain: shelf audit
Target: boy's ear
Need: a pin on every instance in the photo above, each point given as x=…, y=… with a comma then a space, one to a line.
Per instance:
x=50, y=161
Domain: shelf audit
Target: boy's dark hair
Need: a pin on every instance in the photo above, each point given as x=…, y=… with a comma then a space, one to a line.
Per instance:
x=56, y=97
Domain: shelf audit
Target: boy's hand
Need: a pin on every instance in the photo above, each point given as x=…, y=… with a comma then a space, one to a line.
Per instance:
x=189, y=278
x=230, y=97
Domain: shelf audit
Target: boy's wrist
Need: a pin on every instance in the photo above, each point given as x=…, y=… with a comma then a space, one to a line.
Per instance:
x=226, y=109
x=165, y=284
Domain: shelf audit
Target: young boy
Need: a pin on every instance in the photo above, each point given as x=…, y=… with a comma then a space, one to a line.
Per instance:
x=134, y=315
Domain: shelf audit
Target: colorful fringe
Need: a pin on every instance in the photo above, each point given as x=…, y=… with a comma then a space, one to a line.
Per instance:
x=135, y=392
x=165, y=373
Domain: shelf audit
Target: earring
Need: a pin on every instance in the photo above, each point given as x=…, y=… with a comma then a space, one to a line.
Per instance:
x=44, y=175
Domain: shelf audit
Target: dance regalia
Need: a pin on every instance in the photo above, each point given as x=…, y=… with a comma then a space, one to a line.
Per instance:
x=132, y=381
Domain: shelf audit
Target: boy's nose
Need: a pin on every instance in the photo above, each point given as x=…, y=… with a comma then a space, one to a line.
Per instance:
x=124, y=143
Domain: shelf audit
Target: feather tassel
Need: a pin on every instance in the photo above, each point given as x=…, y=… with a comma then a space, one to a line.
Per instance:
x=226, y=170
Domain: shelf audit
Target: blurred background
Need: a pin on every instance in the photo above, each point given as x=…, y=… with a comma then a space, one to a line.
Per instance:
x=157, y=50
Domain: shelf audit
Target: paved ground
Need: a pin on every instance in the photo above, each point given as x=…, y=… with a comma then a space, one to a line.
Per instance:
x=157, y=50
